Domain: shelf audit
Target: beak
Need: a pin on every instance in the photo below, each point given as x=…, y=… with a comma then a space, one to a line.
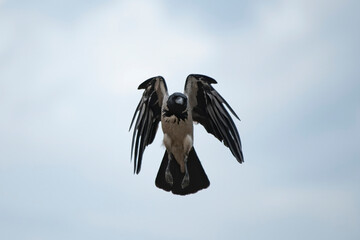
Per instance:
x=179, y=100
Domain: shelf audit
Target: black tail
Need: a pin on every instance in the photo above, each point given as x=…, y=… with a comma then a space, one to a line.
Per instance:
x=198, y=178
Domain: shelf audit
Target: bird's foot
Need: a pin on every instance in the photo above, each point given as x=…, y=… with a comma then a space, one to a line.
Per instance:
x=168, y=177
x=186, y=181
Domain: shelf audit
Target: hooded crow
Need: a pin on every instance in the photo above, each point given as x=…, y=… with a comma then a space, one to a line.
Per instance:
x=181, y=171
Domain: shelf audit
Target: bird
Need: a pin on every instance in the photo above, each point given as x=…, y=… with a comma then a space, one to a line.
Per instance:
x=180, y=170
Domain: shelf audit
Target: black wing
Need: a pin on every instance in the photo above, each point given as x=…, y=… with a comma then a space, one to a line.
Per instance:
x=148, y=114
x=208, y=109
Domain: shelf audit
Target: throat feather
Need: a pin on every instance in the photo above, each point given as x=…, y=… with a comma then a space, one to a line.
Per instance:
x=178, y=116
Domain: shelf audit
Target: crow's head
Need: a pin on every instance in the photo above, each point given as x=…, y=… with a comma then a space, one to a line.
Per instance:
x=177, y=104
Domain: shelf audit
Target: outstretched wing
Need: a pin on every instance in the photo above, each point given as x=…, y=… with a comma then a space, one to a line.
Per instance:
x=148, y=114
x=208, y=108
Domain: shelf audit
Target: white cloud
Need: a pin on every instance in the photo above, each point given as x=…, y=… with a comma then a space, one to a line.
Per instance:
x=134, y=40
x=116, y=45
x=281, y=58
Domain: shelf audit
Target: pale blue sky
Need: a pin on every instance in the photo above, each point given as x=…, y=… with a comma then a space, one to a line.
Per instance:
x=69, y=73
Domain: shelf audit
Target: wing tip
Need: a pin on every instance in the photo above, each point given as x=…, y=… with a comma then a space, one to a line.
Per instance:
x=202, y=77
x=146, y=83
x=241, y=159
x=235, y=115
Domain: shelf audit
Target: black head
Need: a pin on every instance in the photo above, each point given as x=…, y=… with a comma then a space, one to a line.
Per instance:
x=177, y=104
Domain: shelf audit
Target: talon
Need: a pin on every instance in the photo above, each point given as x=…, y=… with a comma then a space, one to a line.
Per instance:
x=168, y=177
x=186, y=181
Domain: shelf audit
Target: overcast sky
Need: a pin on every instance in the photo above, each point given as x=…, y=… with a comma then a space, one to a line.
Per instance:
x=69, y=73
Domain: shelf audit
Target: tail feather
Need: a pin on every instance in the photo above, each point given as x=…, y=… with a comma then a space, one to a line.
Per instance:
x=198, y=177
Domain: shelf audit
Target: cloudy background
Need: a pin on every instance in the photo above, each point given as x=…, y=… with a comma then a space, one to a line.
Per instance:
x=68, y=78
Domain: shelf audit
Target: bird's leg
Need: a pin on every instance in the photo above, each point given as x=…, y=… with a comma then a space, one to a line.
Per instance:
x=186, y=180
x=168, y=176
